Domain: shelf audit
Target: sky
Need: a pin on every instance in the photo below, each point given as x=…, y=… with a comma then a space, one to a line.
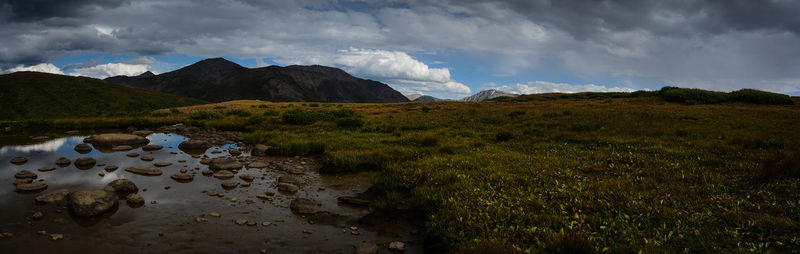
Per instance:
x=447, y=49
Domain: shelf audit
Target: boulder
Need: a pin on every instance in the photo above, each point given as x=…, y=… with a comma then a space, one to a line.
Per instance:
x=133, y=154
x=63, y=162
x=110, y=168
x=19, y=160
x=53, y=196
x=194, y=144
x=31, y=187
x=86, y=203
x=148, y=171
x=224, y=164
x=118, y=139
x=147, y=158
x=152, y=148
x=25, y=174
x=260, y=150
x=304, y=206
x=121, y=186
x=229, y=185
x=83, y=148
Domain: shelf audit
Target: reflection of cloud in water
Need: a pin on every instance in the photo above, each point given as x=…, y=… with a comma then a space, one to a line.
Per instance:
x=47, y=146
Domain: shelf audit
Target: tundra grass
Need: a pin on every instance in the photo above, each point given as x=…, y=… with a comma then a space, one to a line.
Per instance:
x=572, y=174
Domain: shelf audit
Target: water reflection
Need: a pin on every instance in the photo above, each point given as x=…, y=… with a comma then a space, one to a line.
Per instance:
x=178, y=203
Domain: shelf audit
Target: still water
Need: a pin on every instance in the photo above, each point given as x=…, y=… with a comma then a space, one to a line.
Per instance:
x=169, y=225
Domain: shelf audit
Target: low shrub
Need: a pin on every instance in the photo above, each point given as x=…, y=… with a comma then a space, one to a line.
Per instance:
x=220, y=107
x=238, y=112
x=430, y=139
x=349, y=122
x=503, y=135
x=693, y=96
x=205, y=115
x=760, y=97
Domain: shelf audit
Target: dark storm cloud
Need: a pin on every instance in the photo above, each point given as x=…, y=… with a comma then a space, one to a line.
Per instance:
x=694, y=42
x=36, y=10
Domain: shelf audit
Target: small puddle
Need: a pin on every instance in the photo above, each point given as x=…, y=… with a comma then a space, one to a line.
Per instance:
x=169, y=225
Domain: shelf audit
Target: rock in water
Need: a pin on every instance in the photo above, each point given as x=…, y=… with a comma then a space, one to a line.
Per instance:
x=147, y=158
x=134, y=199
x=366, y=248
x=260, y=150
x=291, y=179
x=397, y=246
x=224, y=164
x=304, y=206
x=142, y=133
x=152, y=148
x=121, y=186
x=121, y=148
x=194, y=144
x=84, y=162
x=118, y=139
x=63, y=162
x=162, y=164
x=25, y=174
x=258, y=164
x=45, y=169
x=287, y=187
x=31, y=187
x=229, y=185
x=248, y=178
x=223, y=174
x=23, y=181
x=87, y=203
x=83, y=148
x=148, y=171
x=110, y=168
x=19, y=160
x=182, y=177
x=53, y=196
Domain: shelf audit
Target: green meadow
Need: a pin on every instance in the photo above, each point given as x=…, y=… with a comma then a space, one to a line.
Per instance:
x=676, y=170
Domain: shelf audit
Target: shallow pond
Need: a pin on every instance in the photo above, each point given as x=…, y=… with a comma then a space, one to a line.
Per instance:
x=170, y=224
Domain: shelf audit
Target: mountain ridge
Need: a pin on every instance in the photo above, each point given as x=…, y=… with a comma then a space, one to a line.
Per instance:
x=487, y=95
x=217, y=80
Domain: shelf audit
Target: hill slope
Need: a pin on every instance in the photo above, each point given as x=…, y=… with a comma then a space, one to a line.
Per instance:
x=43, y=95
x=220, y=80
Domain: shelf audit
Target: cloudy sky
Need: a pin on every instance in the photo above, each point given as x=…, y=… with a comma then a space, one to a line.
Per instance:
x=443, y=48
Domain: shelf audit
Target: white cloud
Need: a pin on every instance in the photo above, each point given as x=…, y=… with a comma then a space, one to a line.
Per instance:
x=110, y=70
x=396, y=68
x=42, y=67
x=550, y=87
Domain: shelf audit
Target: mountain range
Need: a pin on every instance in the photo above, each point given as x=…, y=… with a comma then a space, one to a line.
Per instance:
x=422, y=98
x=218, y=80
x=487, y=95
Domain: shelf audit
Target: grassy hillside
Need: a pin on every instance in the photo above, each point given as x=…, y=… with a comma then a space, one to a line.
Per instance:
x=551, y=173
x=40, y=95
